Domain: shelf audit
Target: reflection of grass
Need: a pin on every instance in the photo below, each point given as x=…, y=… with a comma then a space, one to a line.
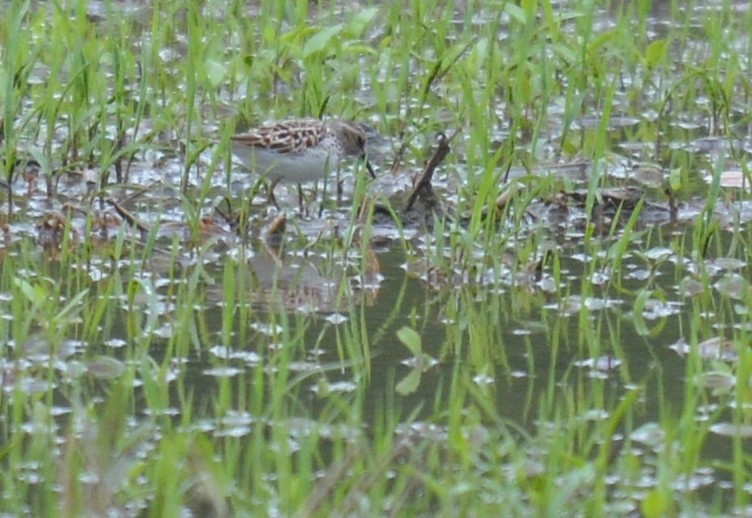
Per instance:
x=540, y=401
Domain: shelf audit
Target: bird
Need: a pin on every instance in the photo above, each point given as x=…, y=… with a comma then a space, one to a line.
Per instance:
x=299, y=150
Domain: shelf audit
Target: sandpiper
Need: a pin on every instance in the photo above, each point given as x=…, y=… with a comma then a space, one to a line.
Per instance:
x=299, y=150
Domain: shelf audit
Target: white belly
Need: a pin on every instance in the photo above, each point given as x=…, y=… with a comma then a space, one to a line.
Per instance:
x=313, y=164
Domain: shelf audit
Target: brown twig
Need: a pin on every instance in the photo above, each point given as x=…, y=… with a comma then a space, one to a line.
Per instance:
x=127, y=216
x=423, y=185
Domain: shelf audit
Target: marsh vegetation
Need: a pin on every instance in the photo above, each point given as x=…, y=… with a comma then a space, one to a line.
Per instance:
x=560, y=328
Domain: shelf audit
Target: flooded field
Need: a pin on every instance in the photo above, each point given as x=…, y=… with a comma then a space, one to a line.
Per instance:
x=538, y=306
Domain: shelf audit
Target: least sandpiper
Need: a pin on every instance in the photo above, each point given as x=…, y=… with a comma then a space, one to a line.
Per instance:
x=299, y=150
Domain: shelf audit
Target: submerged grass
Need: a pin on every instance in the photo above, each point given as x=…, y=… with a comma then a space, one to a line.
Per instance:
x=153, y=374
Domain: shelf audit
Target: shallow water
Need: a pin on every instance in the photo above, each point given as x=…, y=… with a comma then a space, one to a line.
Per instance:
x=531, y=343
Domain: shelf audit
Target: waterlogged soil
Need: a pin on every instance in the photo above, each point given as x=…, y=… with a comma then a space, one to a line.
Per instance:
x=540, y=309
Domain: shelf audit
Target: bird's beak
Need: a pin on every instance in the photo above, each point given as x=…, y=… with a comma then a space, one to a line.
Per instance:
x=368, y=166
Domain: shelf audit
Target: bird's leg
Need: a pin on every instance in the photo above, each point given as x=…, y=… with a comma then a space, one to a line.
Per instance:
x=340, y=190
x=270, y=193
x=301, y=199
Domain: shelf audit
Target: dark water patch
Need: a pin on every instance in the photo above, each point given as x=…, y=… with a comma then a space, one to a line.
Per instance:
x=596, y=303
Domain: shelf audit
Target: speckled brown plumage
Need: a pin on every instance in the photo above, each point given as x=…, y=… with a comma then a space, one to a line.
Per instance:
x=299, y=150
